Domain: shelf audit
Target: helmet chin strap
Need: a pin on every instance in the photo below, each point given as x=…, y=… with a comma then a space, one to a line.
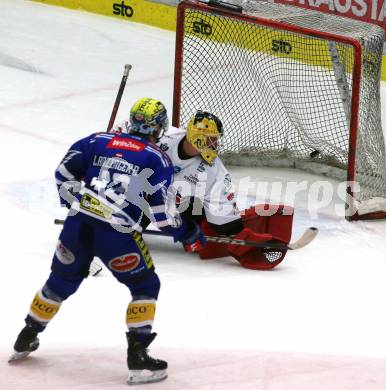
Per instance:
x=159, y=134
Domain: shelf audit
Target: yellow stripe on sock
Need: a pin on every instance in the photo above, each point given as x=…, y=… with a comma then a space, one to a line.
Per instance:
x=140, y=313
x=43, y=309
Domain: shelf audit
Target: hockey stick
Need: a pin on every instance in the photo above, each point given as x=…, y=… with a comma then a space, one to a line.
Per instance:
x=119, y=96
x=308, y=236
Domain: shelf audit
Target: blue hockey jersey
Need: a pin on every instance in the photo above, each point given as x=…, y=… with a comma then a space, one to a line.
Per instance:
x=119, y=179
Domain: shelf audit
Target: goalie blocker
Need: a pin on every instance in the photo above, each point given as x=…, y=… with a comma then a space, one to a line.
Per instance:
x=262, y=223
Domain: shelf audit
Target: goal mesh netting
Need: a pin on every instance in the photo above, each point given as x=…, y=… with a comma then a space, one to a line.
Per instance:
x=286, y=84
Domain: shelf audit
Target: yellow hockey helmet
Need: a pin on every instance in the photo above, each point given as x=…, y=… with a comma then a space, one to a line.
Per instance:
x=204, y=131
x=148, y=115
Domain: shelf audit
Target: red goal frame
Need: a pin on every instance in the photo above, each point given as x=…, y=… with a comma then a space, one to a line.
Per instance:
x=357, y=70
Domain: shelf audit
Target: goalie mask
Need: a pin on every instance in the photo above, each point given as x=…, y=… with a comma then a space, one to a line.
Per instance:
x=147, y=116
x=204, y=132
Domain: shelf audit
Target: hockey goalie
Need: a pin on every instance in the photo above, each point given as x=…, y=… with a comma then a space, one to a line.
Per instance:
x=204, y=193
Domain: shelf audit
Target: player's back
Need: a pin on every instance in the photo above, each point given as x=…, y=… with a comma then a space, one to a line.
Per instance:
x=123, y=175
x=125, y=154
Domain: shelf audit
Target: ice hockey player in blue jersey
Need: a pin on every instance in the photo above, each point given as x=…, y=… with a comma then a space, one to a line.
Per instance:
x=114, y=184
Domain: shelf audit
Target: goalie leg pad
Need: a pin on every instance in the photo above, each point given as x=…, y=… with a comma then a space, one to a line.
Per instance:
x=211, y=250
x=140, y=313
x=262, y=259
x=256, y=258
x=270, y=218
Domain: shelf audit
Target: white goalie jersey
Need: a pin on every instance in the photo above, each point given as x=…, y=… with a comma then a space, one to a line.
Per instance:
x=209, y=185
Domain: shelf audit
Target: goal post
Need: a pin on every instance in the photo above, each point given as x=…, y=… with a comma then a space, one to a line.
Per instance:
x=293, y=88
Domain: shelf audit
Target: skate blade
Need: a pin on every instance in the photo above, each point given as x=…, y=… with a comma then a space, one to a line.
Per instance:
x=137, y=377
x=18, y=356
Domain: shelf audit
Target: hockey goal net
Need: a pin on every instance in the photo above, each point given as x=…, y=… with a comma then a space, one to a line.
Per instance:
x=293, y=87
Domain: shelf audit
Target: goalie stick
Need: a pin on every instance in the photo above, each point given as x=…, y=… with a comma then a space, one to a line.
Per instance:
x=307, y=237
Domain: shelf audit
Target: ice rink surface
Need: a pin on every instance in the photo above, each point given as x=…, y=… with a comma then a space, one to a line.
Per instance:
x=315, y=322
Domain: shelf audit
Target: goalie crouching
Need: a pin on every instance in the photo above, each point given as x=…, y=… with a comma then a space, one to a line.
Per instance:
x=205, y=194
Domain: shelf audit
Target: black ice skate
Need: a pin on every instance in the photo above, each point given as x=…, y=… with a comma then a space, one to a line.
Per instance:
x=26, y=342
x=142, y=367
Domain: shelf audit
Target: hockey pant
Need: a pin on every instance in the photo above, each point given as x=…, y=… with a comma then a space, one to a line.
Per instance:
x=125, y=255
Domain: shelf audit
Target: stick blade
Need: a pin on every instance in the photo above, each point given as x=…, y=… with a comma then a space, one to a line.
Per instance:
x=305, y=239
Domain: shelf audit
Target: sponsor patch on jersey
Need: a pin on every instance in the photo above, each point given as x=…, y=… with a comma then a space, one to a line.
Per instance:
x=192, y=178
x=228, y=182
x=93, y=205
x=178, y=198
x=64, y=255
x=126, y=144
x=164, y=147
x=177, y=169
x=125, y=262
x=201, y=167
x=230, y=196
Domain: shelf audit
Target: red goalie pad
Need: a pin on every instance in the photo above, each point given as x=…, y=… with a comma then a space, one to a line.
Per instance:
x=271, y=219
x=256, y=258
x=211, y=250
x=275, y=220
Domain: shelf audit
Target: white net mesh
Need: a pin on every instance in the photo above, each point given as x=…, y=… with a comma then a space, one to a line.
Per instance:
x=285, y=97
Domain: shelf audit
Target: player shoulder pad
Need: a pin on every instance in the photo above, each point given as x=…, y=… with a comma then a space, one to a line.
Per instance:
x=101, y=135
x=162, y=156
x=173, y=134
